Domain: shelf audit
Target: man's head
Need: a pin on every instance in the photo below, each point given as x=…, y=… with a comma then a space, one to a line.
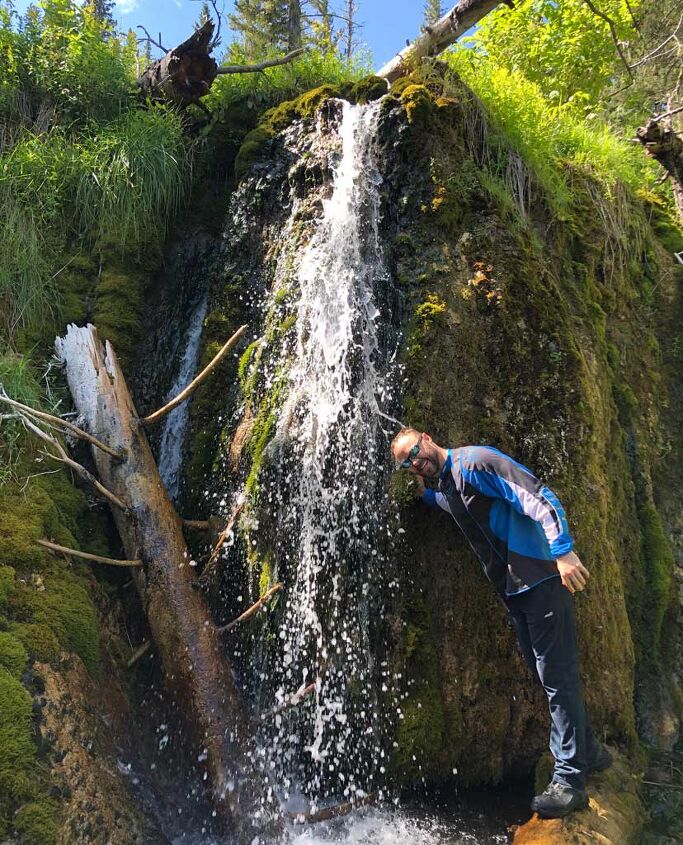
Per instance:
x=418, y=453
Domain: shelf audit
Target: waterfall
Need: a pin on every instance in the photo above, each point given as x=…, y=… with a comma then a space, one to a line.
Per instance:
x=175, y=424
x=329, y=486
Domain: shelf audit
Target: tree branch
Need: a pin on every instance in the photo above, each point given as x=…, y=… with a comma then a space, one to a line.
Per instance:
x=333, y=812
x=150, y=39
x=86, y=555
x=221, y=539
x=138, y=653
x=64, y=458
x=283, y=60
x=615, y=39
x=73, y=429
x=253, y=609
x=194, y=384
x=666, y=114
x=290, y=701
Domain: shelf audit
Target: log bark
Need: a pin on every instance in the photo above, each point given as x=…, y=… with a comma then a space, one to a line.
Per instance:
x=185, y=73
x=665, y=146
x=435, y=38
x=196, y=671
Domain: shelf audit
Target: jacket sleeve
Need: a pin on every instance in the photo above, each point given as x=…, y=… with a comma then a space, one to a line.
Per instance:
x=435, y=499
x=495, y=474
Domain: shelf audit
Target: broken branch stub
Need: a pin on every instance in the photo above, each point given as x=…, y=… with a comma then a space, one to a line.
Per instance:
x=196, y=671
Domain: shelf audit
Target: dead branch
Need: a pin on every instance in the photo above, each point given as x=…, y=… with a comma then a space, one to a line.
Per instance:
x=194, y=384
x=55, y=547
x=149, y=38
x=290, y=701
x=615, y=39
x=282, y=60
x=138, y=653
x=58, y=421
x=221, y=539
x=64, y=458
x=333, y=812
x=197, y=524
x=249, y=612
x=666, y=114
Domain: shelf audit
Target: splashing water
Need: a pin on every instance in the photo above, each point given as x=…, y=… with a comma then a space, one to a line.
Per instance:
x=329, y=486
x=175, y=424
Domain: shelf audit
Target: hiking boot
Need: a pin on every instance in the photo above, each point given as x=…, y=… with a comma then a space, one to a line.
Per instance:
x=558, y=800
x=600, y=760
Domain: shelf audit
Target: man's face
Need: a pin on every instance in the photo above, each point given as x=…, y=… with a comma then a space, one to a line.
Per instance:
x=422, y=454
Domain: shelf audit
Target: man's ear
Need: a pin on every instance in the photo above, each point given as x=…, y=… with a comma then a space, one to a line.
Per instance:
x=426, y=437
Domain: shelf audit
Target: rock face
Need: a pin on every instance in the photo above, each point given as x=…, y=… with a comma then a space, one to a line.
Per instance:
x=80, y=719
x=546, y=333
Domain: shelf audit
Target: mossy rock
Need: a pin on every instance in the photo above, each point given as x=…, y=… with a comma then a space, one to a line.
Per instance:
x=368, y=89
x=13, y=655
x=7, y=584
x=17, y=748
x=418, y=103
x=37, y=823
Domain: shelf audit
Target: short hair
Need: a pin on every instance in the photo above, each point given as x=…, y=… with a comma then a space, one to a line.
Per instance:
x=403, y=433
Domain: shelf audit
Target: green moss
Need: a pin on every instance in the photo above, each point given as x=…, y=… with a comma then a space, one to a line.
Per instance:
x=368, y=89
x=65, y=608
x=658, y=564
x=39, y=640
x=118, y=309
x=421, y=731
x=18, y=765
x=36, y=823
x=246, y=361
x=7, y=584
x=13, y=655
x=418, y=103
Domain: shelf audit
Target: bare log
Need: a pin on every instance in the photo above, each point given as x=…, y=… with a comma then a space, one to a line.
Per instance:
x=435, y=38
x=250, y=611
x=197, y=673
x=194, y=384
x=58, y=421
x=55, y=547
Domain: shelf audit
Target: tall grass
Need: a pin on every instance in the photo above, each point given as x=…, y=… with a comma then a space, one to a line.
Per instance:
x=122, y=182
x=284, y=82
x=553, y=140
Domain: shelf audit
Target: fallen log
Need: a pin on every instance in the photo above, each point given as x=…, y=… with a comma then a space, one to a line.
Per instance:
x=196, y=672
x=435, y=38
x=334, y=812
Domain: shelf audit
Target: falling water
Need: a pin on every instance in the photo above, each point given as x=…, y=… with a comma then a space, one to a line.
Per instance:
x=175, y=424
x=330, y=494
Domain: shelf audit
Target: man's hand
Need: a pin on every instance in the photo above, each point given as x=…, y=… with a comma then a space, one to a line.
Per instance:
x=573, y=573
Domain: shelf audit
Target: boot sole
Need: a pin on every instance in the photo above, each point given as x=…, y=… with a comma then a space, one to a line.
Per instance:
x=560, y=814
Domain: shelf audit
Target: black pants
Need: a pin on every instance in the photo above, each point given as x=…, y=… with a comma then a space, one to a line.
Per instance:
x=543, y=618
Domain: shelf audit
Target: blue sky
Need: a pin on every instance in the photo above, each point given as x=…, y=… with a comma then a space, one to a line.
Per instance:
x=386, y=23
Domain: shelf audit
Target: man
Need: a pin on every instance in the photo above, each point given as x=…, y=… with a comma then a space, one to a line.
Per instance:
x=518, y=530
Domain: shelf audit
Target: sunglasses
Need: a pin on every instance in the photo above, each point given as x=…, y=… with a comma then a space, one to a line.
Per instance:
x=412, y=455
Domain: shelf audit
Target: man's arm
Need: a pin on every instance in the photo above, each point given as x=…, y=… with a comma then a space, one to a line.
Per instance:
x=497, y=475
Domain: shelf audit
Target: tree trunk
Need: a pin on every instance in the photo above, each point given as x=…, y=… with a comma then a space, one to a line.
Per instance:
x=666, y=147
x=196, y=671
x=294, y=25
x=438, y=36
x=185, y=73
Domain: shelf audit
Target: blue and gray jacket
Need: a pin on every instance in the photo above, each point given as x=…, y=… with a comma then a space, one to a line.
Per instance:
x=515, y=525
